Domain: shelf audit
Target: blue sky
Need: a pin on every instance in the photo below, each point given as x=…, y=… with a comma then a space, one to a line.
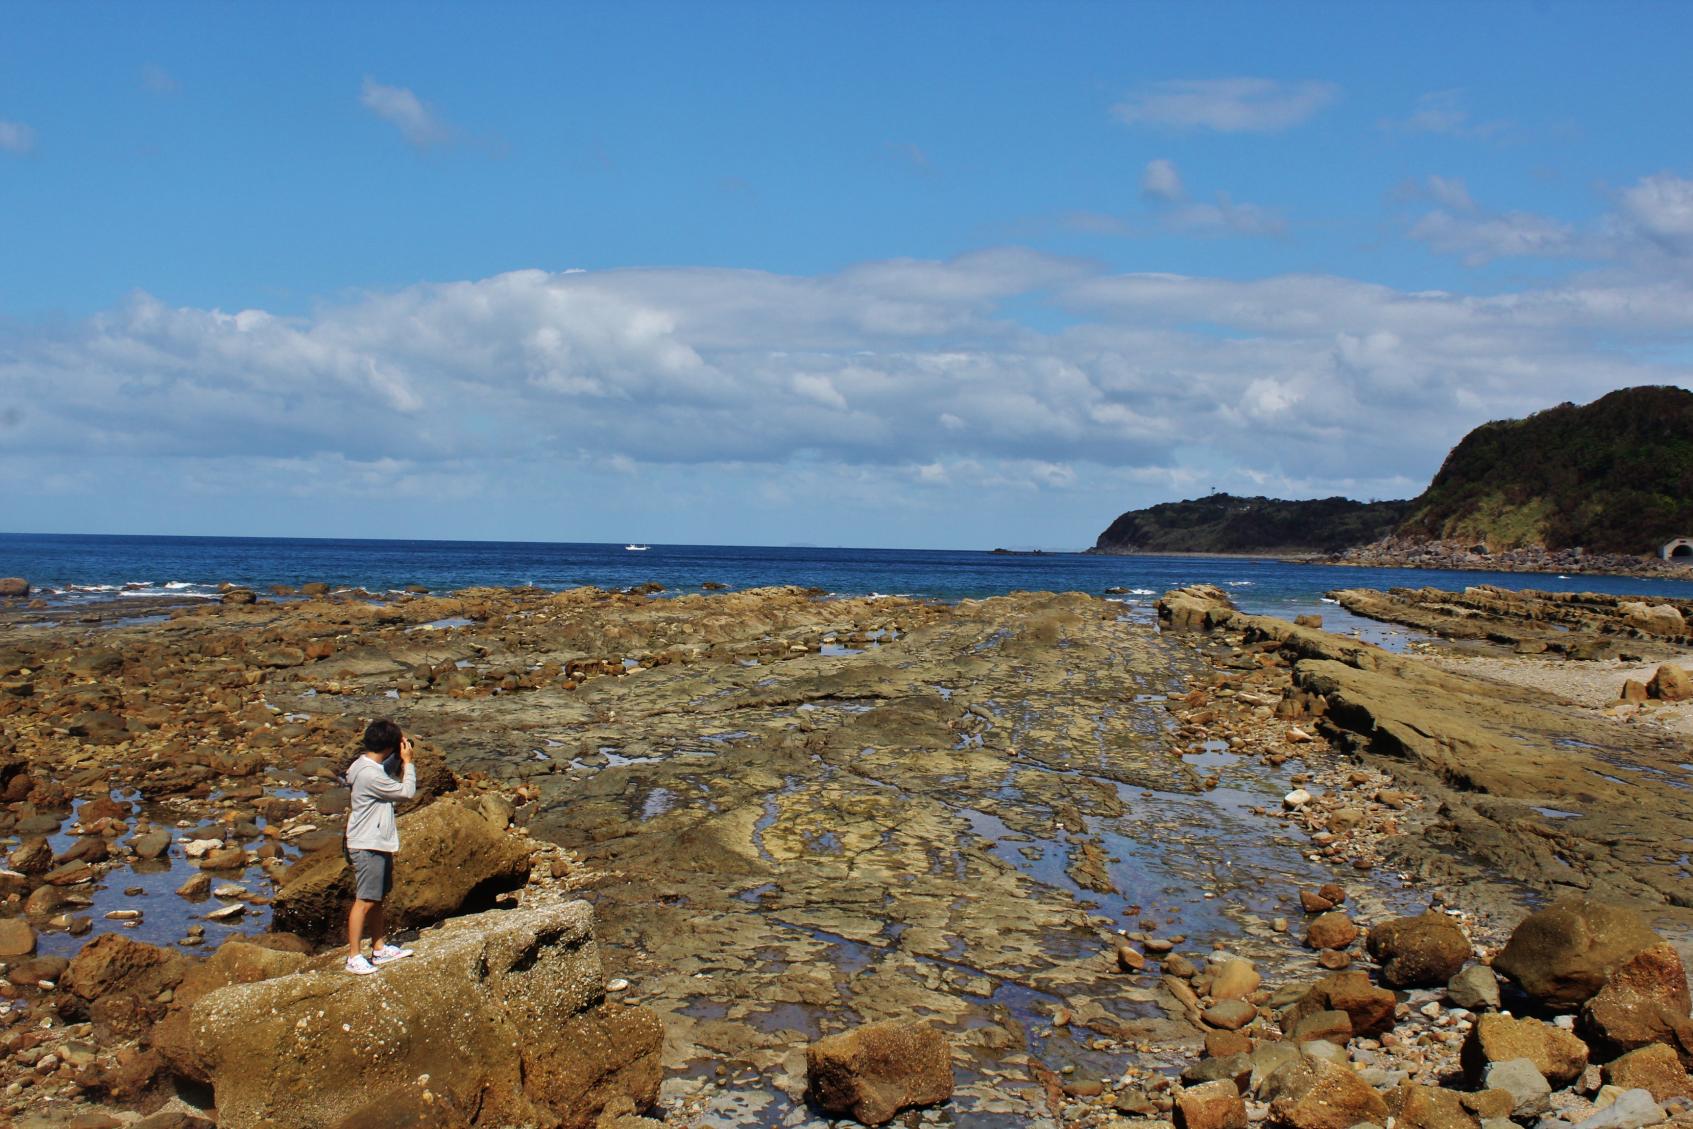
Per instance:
x=946, y=275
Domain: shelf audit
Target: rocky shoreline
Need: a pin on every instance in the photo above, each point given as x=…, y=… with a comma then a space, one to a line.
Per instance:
x=1053, y=833
x=1400, y=552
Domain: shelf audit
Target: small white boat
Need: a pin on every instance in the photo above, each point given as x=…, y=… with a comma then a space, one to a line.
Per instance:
x=637, y=548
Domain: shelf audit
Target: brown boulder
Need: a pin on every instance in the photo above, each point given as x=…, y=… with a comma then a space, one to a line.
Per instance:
x=1214, y=1105
x=1654, y=619
x=33, y=856
x=1655, y=1068
x=1556, y=1053
x=500, y=1017
x=1429, y=1107
x=1633, y=690
x=113, y=964
x=449, y=856
x=13, y=587
x=1234, y=979
x=1419, y=952
x=1645, y=1001
x=1670, y=684
x=239, y=596
x=1370, y=1008
x=873, y=1072
x=1563, y=955
x=237, y=961
x=17, y=938
x=1310, y=1093
x=1332, y=930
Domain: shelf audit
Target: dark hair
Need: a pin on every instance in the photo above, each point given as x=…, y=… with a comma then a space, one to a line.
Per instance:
x=382, y=736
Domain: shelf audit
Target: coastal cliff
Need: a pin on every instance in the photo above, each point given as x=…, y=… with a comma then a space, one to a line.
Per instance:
x=1594, y=487
x=1224, y=523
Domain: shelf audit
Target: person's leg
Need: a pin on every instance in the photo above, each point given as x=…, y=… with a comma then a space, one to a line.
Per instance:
x=378, y=924
x=355, y=924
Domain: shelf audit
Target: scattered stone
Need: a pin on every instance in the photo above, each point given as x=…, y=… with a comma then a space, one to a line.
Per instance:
x=1234, y=979
x=1213, y=1105
x=1634, y=1109
x=873, y=1072
x=1531, y=1094
x=1369, y=1007
x=1309, y=1093
x=1475, y=988
x=1655, y=1068
x=1418, y=952
x=1230, y=1015
x=1428, y=1107
x=150, y=844
x=17, y=938
x=1332, y=930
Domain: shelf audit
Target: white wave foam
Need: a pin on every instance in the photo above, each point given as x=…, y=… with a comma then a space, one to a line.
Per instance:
x=1141, y=592
x=1241, y=583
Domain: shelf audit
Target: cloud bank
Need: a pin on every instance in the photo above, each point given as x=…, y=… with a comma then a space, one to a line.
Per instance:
x=885, y=378
x=1226, y=105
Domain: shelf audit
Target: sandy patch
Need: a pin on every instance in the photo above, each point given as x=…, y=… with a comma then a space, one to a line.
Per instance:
x=1596, y=686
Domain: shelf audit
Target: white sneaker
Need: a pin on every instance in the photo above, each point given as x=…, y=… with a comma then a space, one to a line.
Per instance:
x=359, y=966
x=387, y=953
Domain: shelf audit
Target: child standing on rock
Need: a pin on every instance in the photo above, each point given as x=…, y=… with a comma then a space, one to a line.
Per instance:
x=372, y=839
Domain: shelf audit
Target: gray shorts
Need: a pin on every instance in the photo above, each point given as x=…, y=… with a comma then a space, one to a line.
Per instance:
x=373, y=874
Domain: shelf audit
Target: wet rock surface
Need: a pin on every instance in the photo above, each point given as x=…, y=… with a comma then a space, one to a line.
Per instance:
x=1082, y=850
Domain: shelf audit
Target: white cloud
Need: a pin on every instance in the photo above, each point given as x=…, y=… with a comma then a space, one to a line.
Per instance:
x=402, y=109
x=1228, y=105
x=1161, y=181
x=1479, y=239
x=156, y=80
x=1451, y=192
x=1161, y=186
x=902, y=371
x=16, y=137
x=1443, y=112
x=1660, y=208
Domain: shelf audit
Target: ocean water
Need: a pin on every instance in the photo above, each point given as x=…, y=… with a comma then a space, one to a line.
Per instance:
x=75, y=569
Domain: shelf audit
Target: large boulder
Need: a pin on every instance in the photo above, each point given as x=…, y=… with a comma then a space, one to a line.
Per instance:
x=1368, y=1007
x=1310, y=1093
x=1645, y=1001
x=236, y=961
x=1563, y=955
x=1213, y=1105
x=1419, y=952
x=872, y=1072
x=1429, y=1107
x=451, y=858
x=112, y=964
x=1670, y=684
x=1654, y=619
x=1556, y=1053
x=12, y=586
x=500, y=1018
x=1655, y=1069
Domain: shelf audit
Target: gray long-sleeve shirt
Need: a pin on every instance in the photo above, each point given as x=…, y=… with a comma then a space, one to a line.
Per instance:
x=370, y=818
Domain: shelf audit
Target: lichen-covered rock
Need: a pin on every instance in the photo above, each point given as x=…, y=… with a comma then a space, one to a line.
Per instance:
x=1214, y=1105
x=1369, y=1007
x=873, y=1072
x=1645, y=1001
x=500, y=1018
x=1655, y=1068
x=1563, y=955
x=1418, y=952
x=1309, y=1093
x=1556, y=1053
x=1429, y=1107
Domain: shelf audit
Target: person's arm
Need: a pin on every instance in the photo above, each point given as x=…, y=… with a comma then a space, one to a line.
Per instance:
x=385, y=787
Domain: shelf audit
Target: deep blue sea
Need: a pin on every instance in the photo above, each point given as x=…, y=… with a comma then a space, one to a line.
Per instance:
x=67, y=568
